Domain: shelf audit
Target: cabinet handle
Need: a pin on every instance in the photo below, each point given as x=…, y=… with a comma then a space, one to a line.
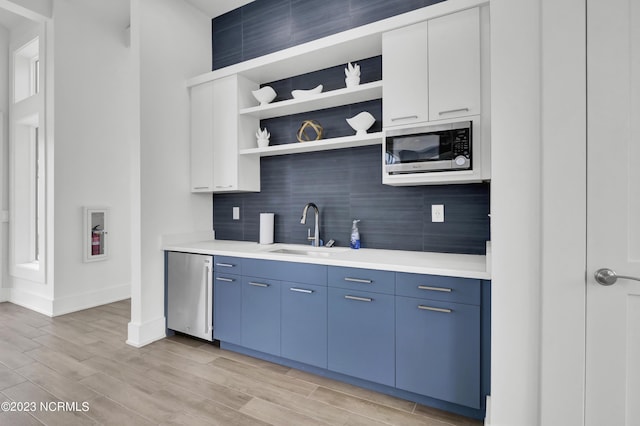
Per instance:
x=226, y=265
x=301, y=290
x=359, y=299
x=442, y=289
x=358, y=280
x=258, y=284
x=226, y=280
x=450, y=111
x=431, y=308
x=201, y=187
x=224, y=186
x=404, y=118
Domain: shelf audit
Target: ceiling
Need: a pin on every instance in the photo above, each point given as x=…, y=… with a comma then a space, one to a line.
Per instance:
x=215, y=8
x=117, y=11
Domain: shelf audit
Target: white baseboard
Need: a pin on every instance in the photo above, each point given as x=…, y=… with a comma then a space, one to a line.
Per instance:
x=142, y=334
x=4, y=295
x=487, y=416
x=33, y=301
x=78, y=302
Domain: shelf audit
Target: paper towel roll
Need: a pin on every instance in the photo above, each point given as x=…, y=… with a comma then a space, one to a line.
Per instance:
x=266, y=228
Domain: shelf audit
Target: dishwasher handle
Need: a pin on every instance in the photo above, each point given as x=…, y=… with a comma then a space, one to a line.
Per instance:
x=208, y=299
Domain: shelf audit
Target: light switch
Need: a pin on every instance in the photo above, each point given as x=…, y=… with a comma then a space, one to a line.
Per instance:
x=437, y=213
x=236, y=213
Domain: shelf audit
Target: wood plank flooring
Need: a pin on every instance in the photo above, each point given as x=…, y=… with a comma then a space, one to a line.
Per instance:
x=77, y=370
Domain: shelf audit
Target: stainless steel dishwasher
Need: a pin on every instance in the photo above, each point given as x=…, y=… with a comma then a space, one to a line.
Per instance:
x=190, y=294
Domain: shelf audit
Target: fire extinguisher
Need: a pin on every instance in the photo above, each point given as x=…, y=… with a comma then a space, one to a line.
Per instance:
x=96, y=234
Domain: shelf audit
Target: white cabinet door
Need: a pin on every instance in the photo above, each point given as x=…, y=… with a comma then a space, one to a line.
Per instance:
x=202, y=138
x=454, y=65
x=225, y=134
x=404, y=72
x=217, y=135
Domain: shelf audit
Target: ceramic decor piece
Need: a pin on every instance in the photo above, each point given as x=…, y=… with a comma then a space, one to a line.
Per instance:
x=303, y=94
x=361, y=122
x=264, y=95
x=263, y=138
x=352, y=73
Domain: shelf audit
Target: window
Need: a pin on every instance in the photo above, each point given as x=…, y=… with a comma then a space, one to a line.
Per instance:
x=28, y=154
x=26, y=75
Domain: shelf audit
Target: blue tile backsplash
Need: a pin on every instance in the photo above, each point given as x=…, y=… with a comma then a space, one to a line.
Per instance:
x=345, y=184
x=266, y=26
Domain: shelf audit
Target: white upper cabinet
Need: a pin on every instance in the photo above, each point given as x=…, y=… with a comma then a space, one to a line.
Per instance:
x=202, y=138
x=217, y=135
x=454, y=65
x=404, y=71
x=431, y=70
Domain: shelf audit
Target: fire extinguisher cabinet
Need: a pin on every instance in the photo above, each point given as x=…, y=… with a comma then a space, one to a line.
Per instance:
x=95, y=233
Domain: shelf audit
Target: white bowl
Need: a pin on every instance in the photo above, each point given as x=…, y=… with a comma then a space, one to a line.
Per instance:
x=361, y=122
x=264, y=95
x=301, y=94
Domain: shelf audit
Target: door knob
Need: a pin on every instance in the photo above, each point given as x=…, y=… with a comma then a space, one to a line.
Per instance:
x=606, y=276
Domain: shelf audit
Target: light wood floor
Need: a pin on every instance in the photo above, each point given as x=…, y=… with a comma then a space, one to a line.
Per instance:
x=82, y=358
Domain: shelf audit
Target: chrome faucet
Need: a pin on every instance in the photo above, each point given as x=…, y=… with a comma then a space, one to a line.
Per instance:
x=316, y=234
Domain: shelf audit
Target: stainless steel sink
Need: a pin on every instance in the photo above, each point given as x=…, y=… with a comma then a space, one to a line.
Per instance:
x=316, y=252
x=302, y=252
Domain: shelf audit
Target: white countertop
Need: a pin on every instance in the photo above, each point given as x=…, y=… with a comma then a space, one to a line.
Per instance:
x=455, y=265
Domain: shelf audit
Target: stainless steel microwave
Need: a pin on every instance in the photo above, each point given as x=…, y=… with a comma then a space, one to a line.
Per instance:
x=437, y=148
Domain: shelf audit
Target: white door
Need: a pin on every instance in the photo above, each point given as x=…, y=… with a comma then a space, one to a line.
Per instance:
x=613, y=212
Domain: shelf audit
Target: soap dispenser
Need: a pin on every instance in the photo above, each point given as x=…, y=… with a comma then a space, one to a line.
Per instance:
x=355, y=235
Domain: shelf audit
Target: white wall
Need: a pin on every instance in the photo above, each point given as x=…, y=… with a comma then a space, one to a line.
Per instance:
x=4, y=156
x=173, y=41
x=538, y=212
x=92, y=105
x=563, y=212
x=515, y=212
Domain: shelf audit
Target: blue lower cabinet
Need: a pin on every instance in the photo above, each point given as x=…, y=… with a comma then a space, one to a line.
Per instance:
x=261, y=315
x=361, y=335
x=304, y=323
x=227, y=304
x=438, y=349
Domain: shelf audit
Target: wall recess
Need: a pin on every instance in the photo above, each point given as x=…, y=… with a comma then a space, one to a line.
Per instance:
x=95, y=233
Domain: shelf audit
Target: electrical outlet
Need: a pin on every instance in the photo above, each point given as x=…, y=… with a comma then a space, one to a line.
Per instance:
x=437, y=213
x=236, y=213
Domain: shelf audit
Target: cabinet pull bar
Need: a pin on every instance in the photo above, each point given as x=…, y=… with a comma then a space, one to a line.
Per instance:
x=426, y=287
x=404, y=118
x=200, y=187
x=453, y=110
x=226, y=280
x=301, y=290
x=226, y=265
x=258, y=284
x=359, y=299
x=358, y=280
x=224, y=186
x=431, y=308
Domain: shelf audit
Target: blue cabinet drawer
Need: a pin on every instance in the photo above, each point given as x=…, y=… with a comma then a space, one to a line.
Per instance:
x=438, y=350
x=227, y=305
x=361, y=335
x=362, y=279
x=228, y=264
x=286, y=271
x=435, y=287
x=304, y=323
x=260, y=325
